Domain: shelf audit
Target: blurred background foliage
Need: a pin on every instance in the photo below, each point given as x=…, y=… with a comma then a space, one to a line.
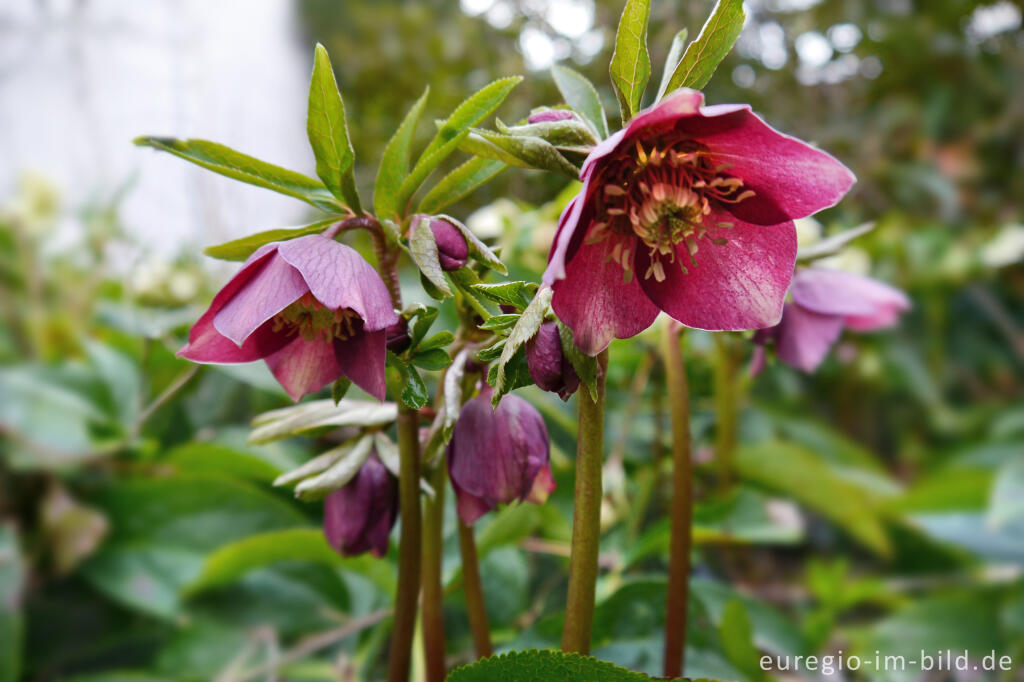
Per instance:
x=876, y=505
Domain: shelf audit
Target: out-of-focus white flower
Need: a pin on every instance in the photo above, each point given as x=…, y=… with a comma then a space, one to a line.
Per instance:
x=1007, y=247
x=489, y=222
x=850, y=259
x=808, y=231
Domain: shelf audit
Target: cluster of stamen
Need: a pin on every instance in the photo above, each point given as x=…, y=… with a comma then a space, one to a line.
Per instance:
x=663, y=198
x=310, y=319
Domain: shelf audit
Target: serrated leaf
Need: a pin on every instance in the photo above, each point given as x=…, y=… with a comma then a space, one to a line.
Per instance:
x=570, y=133
x=318, y=414
x=675, y=55
x=432, y=359
x=631, y=63
x=477, y=249
x=585, y=365
x=704, y=54
x=411, y=389
x=460, y=183
x=394, y=163
x=531, y=152
x=471, y=112
x=834, y=244
x=342, y=471
x=517, y=666
x=328, y=132
x=424, y=320
x=491, y=352
x=580, y=94
x=515, y=373
x=438, y=340
x=240, y=249
x=423, y=249
x=500, y=322
x=238, y=166
x=504, y=293
x=524, y=330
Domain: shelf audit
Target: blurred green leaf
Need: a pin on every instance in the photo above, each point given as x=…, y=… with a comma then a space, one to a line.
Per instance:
x=12, y=579
x=675, y=55
x=432, y=359
x=704, y=54
x=328, y=132
x=630, y=67
x=394, y=163
x=215, y=458
x=242, y=248
x=460, y=183
x=1008, y=493
x=580, y=94
x=543, y=665
x=737, y=640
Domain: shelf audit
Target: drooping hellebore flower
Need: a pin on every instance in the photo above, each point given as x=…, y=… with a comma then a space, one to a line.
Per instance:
x=549, y=368
x=311, y=307
x=824, y=302
x=452, y=250
x=687, y=210
x=358, y=517
x=498, y=456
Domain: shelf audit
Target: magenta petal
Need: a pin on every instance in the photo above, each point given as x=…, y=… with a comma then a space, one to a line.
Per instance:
x=804, y=337
x=470, y=507
x=739, y=285
x=791, y=179
x=594, y=301
x=340, y=278
x=361, y=358
x=359, y=516
x=867, y=304
x=269, y=290
x=304, y=367
x=207, y=345
x=568, y=223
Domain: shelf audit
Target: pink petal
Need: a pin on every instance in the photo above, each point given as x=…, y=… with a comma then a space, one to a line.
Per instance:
x=304, y=367
x=791, y=179
x=739, y=285
x=868, y=302
x=594, y=301
x=361, y=358
x=206, y=345
x=269, y=290
x=804, y=337
x=340, y=278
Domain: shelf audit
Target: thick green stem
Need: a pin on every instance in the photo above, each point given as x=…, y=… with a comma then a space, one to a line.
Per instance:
x=681, y=506
x=408, y=545
x=586, y=522
x=474, y=590
x=432, y=614
x=725, y=408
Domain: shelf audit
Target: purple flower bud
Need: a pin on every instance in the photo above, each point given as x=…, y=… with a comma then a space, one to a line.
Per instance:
x=397, y=336
x=498, y=456
x=359, y=516
x=452, y=250
x=549, y=367
x=548, y=115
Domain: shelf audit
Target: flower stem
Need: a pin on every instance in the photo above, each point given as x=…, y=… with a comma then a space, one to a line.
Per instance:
x=586, y=522
x=474, y=592
x=681, y=505
x=432, y=614
x=725, y=408
x=408, y=545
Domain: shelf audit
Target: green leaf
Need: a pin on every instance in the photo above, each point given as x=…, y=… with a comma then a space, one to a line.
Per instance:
x=411, y=389
x=491, y=352
x=424, y=321
x=339, y=388
x=738, y=640
x=214, y=458
x=515, y=373
x=703, y=55
x=432, y=359
x=527, y=326
x=631, y=63
x=569, y=134
x=328, y=132
x=505, y=293
x=675, y=55
x=239, y=166
x=242, y=248
x=471, y=112
x=518, y=666
x=580, y=94
x=423, y=249
x=1008, y=494
x=460, y=183
x=530, y=152
x=438, y=340
x=12, y=578
x=500, y=322
x=394, y=163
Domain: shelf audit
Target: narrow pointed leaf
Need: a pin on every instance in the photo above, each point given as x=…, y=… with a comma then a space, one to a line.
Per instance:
x=328, y=132
x=532, y=152
x=460, y=183
x=704, y=54
x=834, y=244
x=423, y=249
x=631, y=63
x=580, y=94
x=240, y=249
x=675, y=55
x=394, y=163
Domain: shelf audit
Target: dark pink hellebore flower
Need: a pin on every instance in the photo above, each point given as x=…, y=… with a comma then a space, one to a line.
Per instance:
x=311, y=307
x=498, y=456
x=358, y=517
x=452, y=249
x=687, y=210
x=549, y=368
x=825, y=301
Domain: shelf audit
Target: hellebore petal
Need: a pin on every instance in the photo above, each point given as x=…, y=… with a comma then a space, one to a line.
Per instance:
x=362, y=359
x=543, y=486
x=865, y=304
x=495, y=456
x=549, y=368
x=452, y=250
x=359, y=516
x=549, y=115
x=804, y=337
x=304, y=366
x=272, y=287
x=339, y=278
x=740, y=284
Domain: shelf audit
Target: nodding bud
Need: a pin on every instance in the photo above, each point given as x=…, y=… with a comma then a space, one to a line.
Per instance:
x=358, y=517
x=397, y=336
x=549, y=115
x=452, y=250
x=549, y=367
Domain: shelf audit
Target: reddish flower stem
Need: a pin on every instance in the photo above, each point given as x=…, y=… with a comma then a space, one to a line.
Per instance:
x=432, y=614
x=473, y=588
x=586, y=522
x=681, y=509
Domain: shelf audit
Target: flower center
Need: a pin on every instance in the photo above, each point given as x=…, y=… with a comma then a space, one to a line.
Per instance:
x=662, y=197
x=311, y=320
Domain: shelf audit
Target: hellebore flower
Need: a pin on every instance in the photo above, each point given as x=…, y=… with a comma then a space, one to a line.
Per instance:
x=358, y=517
x=311, y=307
x=549, y=368
x=452, y=250
x=498, y=456
x=688, y=210
x=825, y=301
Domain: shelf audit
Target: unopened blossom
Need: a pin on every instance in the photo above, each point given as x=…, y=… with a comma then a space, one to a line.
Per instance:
x=358, y=517
x=550, y=115
x=312, y=308
x=498, y=456
x=549, y=368
x=452, y=250
x=687, y=210
x=825, y=301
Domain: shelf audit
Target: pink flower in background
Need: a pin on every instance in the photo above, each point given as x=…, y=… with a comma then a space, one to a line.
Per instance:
x=687, y=210
x=314, y=309
x=824, y=302
x=498, y=456
x=358, y=517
